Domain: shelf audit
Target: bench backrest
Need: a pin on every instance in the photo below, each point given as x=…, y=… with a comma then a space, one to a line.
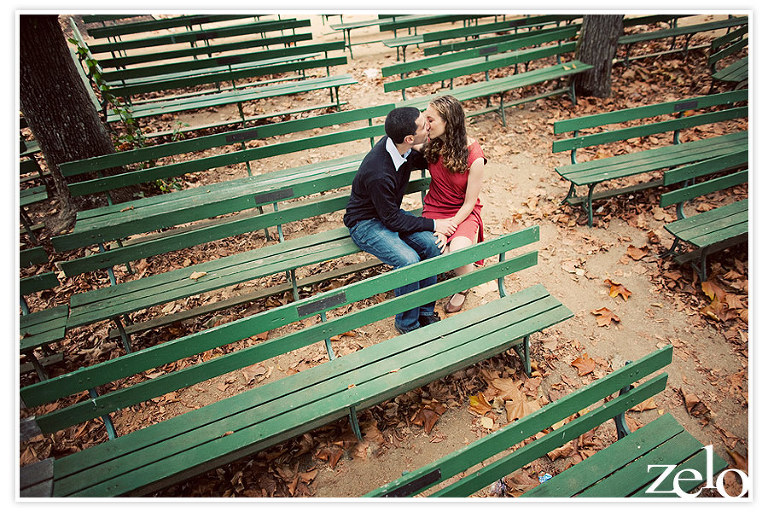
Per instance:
x=138, y=27
x=474, y=32
x=207, y=49
x=726, y=45
x=416, y=21
x=526, y=40
x=582, y=402
x=147, y=172
x=194, y=36
x=692, y=175
x=680, y=108
x=140, y=361
x=228, y=69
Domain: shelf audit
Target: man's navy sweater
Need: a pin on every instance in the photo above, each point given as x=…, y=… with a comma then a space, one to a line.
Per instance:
x=378, y=190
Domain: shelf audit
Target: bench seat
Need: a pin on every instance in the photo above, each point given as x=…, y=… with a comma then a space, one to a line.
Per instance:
x=622, y=469
x=736, y=72
x=232, y=428
x=130, y=296
x=234, y=96
x=632, y=164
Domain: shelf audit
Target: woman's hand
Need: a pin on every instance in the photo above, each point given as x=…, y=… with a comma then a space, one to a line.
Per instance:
x=442, y=242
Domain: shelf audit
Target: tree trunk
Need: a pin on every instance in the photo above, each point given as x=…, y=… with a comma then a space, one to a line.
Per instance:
x=57, y=106
x=597, y=46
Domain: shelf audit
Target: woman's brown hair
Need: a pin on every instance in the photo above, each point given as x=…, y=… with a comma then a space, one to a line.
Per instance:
x=453, y=146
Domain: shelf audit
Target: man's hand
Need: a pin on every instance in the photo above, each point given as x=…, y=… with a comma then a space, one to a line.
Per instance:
x=445, y=226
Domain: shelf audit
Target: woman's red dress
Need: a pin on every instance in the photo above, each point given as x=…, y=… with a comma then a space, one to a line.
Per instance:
x=446, y=196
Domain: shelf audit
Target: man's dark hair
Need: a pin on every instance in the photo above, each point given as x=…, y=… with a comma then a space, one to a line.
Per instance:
x=401, y=122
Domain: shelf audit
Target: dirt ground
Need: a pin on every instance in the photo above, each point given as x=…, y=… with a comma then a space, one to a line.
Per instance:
x=707, y=389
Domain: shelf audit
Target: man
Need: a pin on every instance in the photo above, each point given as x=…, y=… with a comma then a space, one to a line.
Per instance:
x=377, y=223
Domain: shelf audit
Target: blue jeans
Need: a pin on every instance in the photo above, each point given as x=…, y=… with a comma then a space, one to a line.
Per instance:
x=399, y=250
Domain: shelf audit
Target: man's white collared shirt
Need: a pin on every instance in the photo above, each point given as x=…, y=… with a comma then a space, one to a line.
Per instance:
x=397, y=158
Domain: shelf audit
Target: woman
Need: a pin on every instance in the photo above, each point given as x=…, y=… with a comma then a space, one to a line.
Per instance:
x=456, y=164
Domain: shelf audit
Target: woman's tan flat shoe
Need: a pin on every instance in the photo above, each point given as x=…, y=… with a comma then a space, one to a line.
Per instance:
x=456, y=303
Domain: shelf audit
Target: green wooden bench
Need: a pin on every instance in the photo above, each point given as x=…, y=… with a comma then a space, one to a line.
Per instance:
x=715, y=229
x=485, y=58
x=509, y=30
x=175, y=449
x=725, y=46
x=39, y=329
x=623, y=469
x=117, y=31
x=602, y=170
x=684, y=31
x=194, y=37
x=205, y=213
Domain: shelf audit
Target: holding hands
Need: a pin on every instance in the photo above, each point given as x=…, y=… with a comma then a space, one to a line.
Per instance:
x=445, y=226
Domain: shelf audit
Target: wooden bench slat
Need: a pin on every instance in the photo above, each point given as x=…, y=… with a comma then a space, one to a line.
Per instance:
x=658, y=109
x=39, y=282
x=618, y=454
x=682, y=30
x=33, y=256
x=706, y=187
x=673, y=451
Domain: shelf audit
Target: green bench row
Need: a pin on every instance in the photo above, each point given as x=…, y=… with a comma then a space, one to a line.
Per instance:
x=632, y=466
x=474, y=32
x=204, y=214
x=225, y=68
x=175, y=449
x=679, y=162
x=522, y=50
x=683, y=31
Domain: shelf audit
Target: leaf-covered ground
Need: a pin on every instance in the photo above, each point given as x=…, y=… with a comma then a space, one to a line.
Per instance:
x=627, y=301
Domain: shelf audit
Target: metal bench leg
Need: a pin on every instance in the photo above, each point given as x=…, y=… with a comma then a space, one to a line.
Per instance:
x=110, y=271
x=588, y=205
x=501, y=110
x=701, y=266
x=672, y=250
x=352, y=411
x=41, y=373
x=571, y=193
x=111, y=432
x=124, y=336
x=524, y=351
x=622, y=429
x=28, y=226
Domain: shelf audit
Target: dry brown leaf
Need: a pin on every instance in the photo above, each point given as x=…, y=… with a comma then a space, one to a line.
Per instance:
x=197, y=275
x=637, y=253
x=584, y=364
x=713, y=291
x=645, y=405
x=605, y=316
x=618, y=289
x=479, y=405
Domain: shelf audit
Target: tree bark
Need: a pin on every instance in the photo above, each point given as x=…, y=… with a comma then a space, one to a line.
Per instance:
x=597, y=46
x=56, y=104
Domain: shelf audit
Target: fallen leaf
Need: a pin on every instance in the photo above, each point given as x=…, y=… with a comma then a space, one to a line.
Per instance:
x=738, y=460
x=637, y=253
x=605, y=316
x=646, y=405
x=618, y=289
x=197, y=275
x=487, y=422
x=584, y=364
x=713, y=291
x=479, y=405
